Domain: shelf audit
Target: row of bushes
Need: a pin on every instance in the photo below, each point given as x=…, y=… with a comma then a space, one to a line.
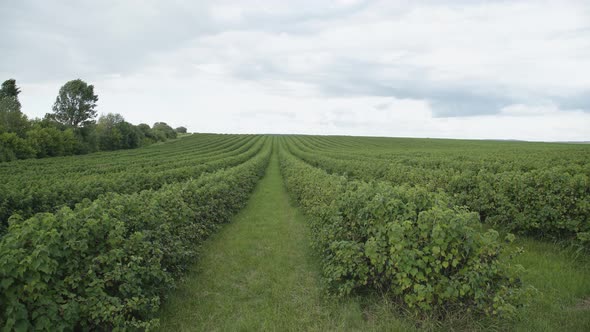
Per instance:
x=106, y=264
x=548, y=203
x=403, y=240
x=46, y=139
x=26, y=198
x=449, y=154
x=38, y=143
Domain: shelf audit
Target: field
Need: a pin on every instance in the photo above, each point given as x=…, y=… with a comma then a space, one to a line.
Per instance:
x=270, y=232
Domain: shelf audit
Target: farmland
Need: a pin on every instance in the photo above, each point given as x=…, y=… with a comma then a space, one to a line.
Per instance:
x=251, y=232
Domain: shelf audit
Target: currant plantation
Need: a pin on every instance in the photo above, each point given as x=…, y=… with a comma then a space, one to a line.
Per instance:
x=359, y=233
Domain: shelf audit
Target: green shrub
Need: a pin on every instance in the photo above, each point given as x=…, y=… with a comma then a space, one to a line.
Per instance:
x=406, y=241
x=34, y=191
x=531, y=194
x=106, y=264
x=13, y=147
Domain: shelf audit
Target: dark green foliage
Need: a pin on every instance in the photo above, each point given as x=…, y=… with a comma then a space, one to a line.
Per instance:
x=535, y=189
x=106, y=264
x=149, y=135
x=164, y=130
x=9, y=89
x=87, y=140
x=51, y=142
x=11, y=117
x=32, y=186
x=75, y=104
x=547, y=203
x=147, y=132
x=406, y=241
x=71, y=128
x=115, y=133
x=180, y=130
x=13, y=147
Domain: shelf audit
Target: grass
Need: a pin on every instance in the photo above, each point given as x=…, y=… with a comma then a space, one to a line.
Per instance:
x=259, y=274
x=563, y=280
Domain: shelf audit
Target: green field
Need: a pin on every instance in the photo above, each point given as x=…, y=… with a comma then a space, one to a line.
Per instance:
x=264, y=232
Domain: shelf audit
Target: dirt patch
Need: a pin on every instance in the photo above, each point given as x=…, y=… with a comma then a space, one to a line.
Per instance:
x=583, y=304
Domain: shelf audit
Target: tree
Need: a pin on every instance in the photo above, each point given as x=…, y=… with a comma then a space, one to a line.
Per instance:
x=51, y=142
x=13, y=147
x=181, y=130
x=75, y=104
x=110, y=120
x=116, y=133
x=131, y=137
x=163, y=129
x=145, y=129
x=9, y=89
x=109, y=136
x=148, y=136
x=12, y=120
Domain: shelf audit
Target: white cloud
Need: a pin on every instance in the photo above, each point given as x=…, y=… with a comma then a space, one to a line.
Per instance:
x=437, y=69
x=226, y=13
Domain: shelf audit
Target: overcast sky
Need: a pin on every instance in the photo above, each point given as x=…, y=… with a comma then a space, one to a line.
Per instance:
x=456, y=69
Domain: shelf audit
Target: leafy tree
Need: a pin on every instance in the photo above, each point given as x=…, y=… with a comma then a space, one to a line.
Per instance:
x=13, y=147
x=88, y=140
x=109, y=137
x=148, y=136
x=75, y=104
x=110, y=120
x=115, y=133
x=51, y=142
x=9, y=89
x=144, y=128
x=48, y=121
x=130, y=136
x=181, y=130
x=165, y=129
x=11, y=118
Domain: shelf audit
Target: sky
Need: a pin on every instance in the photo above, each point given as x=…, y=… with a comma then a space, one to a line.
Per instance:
x=447, y=69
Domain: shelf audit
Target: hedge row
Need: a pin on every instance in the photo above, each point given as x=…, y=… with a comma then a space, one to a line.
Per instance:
x=458, y=155
x=404, y=240
x=551, y=202
x=548, y=203
x=27, y=197
x=106, y=264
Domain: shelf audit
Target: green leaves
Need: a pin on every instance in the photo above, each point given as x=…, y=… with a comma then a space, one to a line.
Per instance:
x=435, y=250
x=41, y=186
x=534, y=189
x=107, y=263
x=405, y=240
x=75, y=104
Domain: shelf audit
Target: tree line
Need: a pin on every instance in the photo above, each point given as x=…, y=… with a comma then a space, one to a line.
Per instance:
x=72, y=128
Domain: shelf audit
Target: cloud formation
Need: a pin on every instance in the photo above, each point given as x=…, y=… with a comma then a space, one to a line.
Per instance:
x=461, y=69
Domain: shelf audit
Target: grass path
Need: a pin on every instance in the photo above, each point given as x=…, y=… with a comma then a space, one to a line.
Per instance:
x=258, y=273
x=563, y=279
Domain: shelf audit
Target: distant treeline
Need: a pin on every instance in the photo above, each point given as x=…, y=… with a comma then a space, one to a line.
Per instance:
x=71, y=128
